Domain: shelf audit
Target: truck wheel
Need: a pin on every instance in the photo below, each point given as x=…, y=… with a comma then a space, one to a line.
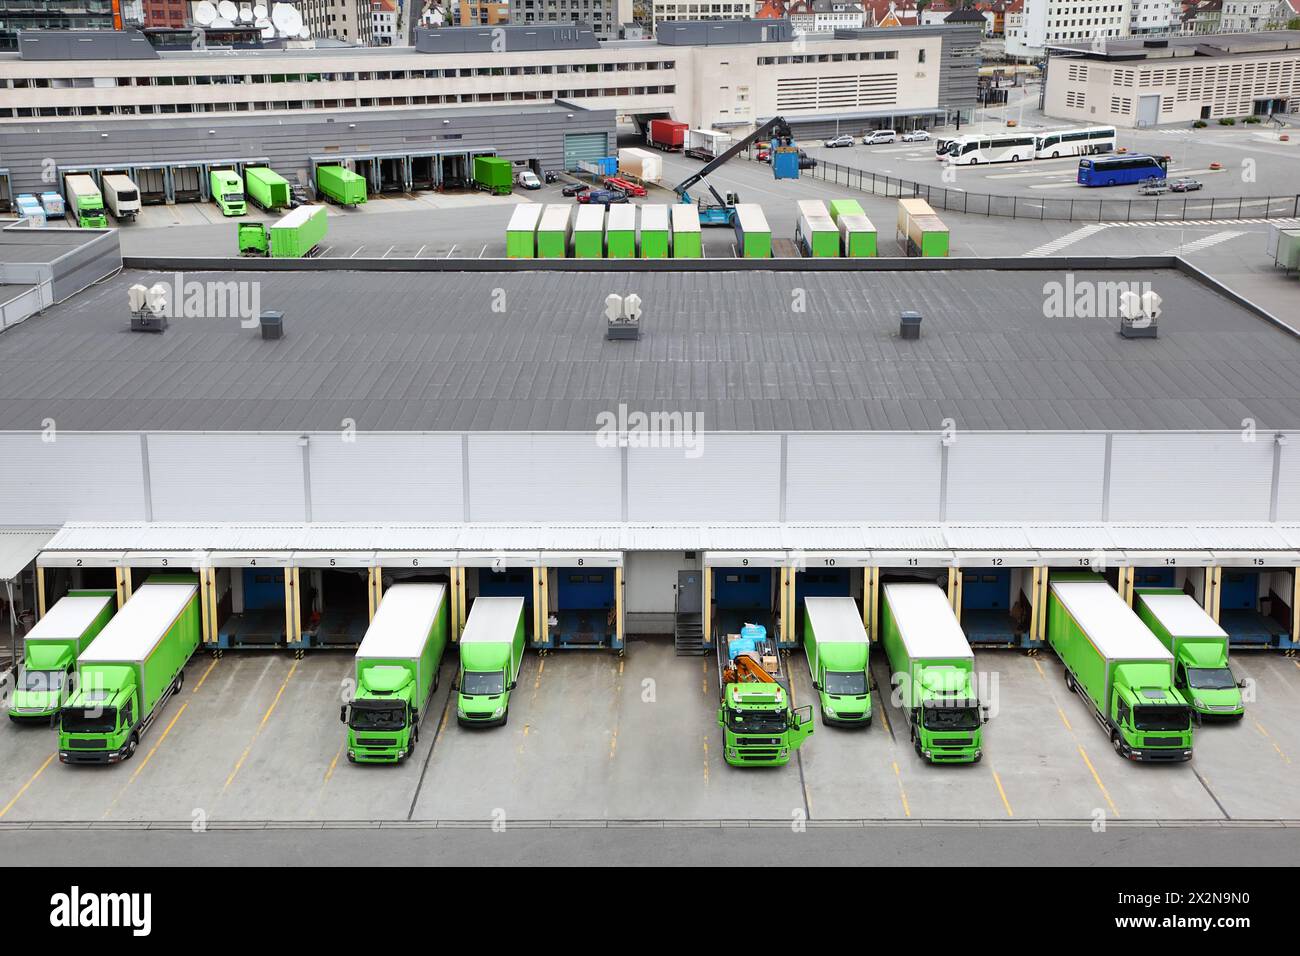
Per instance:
x=180, y=682
x=1069, y=680
x=131, y=744
x=1117, y=743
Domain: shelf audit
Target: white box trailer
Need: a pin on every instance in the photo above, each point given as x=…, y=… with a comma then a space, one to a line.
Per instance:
x=120, y=196
x=641, y=164
x=706, y=144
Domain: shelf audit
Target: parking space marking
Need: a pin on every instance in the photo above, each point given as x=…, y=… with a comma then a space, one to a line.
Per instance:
x=30, y=780
x=1096, y=777
x=329, y=771
x=260, y=727
x=421, y=250
x=902, y=793
x=205, y=675
x=1003, y=794
x=1269, y=737
x=1069, y=239
x=483, y=250
x=354, y=253
x=704, y=675
x=451, y=250
x=147, y=757
x=388, y=250
x=428, y=756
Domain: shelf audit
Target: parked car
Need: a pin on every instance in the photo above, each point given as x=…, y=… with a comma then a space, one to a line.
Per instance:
x=764, y=156
x=574, y=188
x=843, y=140
x=624, y=186
x=1152, y=186
x=527, y=179
x=878, y=136
x=602, y=197
x=916, y=136
x=1185, y=184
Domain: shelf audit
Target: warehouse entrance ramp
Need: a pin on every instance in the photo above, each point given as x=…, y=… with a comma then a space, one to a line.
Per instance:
x=1256, y=605
x=337, y=599
x=742, y=588
x=257, y=605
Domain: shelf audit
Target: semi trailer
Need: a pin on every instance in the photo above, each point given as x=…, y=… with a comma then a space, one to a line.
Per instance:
x=267, y=189
x=553, y=231
x=932, y=671
x=706, y=144
x=921, y=232
x=1119, y=668
x=397, y=668
x=294, y=236
x=857, y=236
x=121, y=196
x=228, y=192
x=494, y=175
x=654, y=231
x=815, y=230
x=1200, y=649
x=666, y=135
x=491, y=653
x=687, y=238
x=753, y=234
x=620, y=232
x=341, y=186
x=761, y=727
x=836, y=647
x=85, y=201
x=521, y=231
x=51, y=649
x=130, y=671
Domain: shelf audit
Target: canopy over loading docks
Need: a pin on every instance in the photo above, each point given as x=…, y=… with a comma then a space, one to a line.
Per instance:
x=407, y=171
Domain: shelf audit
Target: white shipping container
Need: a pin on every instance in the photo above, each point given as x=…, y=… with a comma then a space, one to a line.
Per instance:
x=643, y=164
x=121, y=196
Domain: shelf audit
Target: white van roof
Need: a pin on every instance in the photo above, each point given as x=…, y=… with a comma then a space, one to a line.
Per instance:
x=835, y=620
x=69, y=617
x=1182, y=616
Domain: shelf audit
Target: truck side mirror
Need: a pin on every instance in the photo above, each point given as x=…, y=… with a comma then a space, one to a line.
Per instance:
x=817, y=686
x=1242, y=683
x=513, y=685
x=720, y=721
x=343, y=714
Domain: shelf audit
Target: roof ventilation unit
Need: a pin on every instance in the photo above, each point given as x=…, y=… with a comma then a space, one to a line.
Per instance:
x=909, y=325
x=149, y=307
x=1139, y=315
x=623, y=315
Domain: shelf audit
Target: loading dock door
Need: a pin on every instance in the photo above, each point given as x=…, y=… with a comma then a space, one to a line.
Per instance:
x=1149, y=110
x=584, y=148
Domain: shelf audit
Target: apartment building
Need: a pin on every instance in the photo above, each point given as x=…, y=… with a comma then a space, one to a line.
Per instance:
x=347, y=20
x=821, y=15
x=1153, y=16
x=605, y=16
x=1245, y=15
x=1045, y=23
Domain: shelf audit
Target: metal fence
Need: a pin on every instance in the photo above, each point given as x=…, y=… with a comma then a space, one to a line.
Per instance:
x=1101, y=209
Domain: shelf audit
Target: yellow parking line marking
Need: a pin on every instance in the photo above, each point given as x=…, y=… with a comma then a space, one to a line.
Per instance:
x=704, y=677
x=147, y=757
x=541, y=666
x=205, y=675
x=1269, y=737
x=1097, y=779
x=1002, y=793
x=613, y=743
x=31, y=780
x=907, y=810
x=1039, y=667
x=884, y=715
x=260, y=727
x=522, y=738
x=1065, y=720
x=329, y=772
x=706, y=761
x=446, y=714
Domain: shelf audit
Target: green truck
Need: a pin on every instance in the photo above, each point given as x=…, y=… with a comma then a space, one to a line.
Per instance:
x=51, y=649
x=1200, y=649
x=932, y=672
x=491, y=653
x=267, y=188
x=494, y=175
x=396, y=673
x=341, y=186
x=294, y=236
x=521, y=231
x=85, y=201
x=130, y=671
x=760, y=726
x=228, y=192
x=1119, y=668
x=836, y=646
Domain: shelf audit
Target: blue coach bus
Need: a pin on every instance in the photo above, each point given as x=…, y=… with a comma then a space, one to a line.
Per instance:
x=1121, y=169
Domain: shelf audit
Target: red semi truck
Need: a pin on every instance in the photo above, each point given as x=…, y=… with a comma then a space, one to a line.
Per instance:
x=667, y=135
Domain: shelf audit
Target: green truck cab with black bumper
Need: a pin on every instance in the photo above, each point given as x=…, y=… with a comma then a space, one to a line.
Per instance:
x=228, y=192
x=836, y=647
x=1200, y=649
x=130, y=671
x=1119, y=667
x=491, y=653
x=932, y=671
x=760, y=726
x=396, y=673
x=51, y=649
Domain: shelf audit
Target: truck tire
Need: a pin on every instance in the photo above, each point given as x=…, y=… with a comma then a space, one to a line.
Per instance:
x=1117, y=744
x=1069, y=680
x=132, y=743
x=180, y=682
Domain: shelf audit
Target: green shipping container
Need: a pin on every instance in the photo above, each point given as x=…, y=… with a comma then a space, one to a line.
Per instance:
x=553, y=232
x=266, y=187
x=521, y=231
x=654, y=231
x=620, y=232
x=753, y=235
x=493, y=174
x=687, y=242
x=929, y=235
x=857, y=236
x=844, y=207
x=589, y=232
x=341, y=185
x=299, y=232
x=815, y=230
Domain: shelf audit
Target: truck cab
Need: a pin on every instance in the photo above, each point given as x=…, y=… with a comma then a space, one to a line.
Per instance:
x=381, y=721
x=844, y=695
x=947, y=722
x=44, y=681
x=1153, y=720
x=761, y=728
x=98, y=723
x=1206, y=682
x=228, y=192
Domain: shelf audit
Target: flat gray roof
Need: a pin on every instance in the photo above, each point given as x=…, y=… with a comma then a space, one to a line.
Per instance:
x=1204, y=45
x=426, y=351
x=23, y=245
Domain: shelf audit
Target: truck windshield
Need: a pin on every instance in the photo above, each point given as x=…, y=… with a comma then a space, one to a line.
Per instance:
x=488, y=683
x=952, y=718
x=1161, y=718
x=1210, y=678
x=96, y=720
x=383, y=717
x=234, y=197
x=40, y=680
x=848, y=683
x=756, y=722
